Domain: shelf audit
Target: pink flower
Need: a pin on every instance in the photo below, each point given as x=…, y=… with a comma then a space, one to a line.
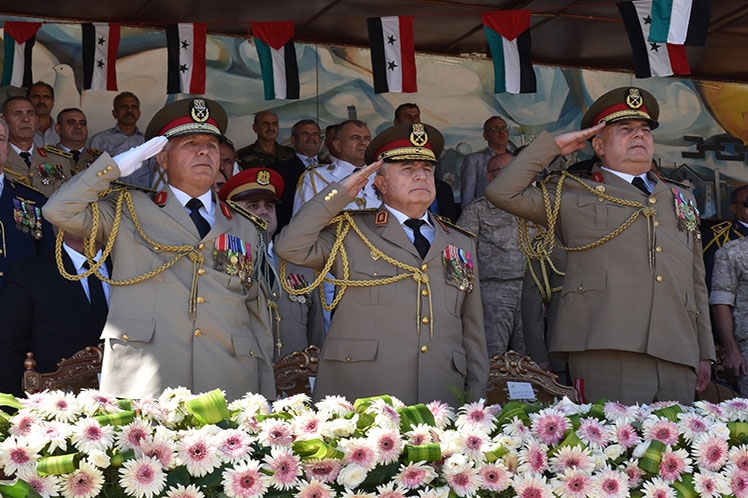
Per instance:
x=89, y=435
x=418, y=435
x=22, y=423
x=710, y=409
x=244, y=480
x=307, y=425
x=475, y=416
x=495, y=476
x=142, y=477
x=414, y=475
x=662, y=430
x=86, y=482
x=159, y=449
x=391, y=490
x=658, y=488
x=465, y=482
x=692, y=425
x=736, y=408
x=325, y=470
x=634, y=473
x=46, y=486
x=710, y=484
x=132, y=435
x=285, y=468
x=360, y=453
x=442, y=413
x=275, y=433
x=534, y=458
x=738, y=456
x=531, y=486
x=314, y=489
x=181, y=491
x=619, y=413
x=627, y=436
x=673, y=464
x=594, y=432
x=476, y=445
x=198, y=454
x=574, y=483
x=388, y=444
x=610, y=484
x=739, y=483
x=17, y=455
x=234, y=445
x=572, y=457
x=711, y=452
x=549, y=425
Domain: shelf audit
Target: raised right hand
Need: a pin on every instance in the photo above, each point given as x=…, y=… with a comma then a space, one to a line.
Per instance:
x=130, y=160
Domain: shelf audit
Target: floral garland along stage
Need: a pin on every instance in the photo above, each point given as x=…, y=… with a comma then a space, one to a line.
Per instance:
x=198, y=446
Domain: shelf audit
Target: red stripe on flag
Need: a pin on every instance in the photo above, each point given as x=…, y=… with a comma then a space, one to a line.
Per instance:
x=275, y=34
x=508, y=23
x=111, y=63
x=407, y=54
x=197, y=83
x=22, y=31
x=678, y=59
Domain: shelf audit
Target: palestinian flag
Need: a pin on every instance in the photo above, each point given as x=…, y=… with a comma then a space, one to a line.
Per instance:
x=393, y=58
x=650, y=58
x=683, y=22
x=277, y=53
x=100, y=44
x=508, y=34
x=19, y=41
x=185, y=43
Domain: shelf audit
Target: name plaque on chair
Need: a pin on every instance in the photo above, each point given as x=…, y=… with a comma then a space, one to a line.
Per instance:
x=520, y=391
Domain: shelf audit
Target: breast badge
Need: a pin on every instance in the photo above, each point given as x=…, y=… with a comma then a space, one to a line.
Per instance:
x=686, y=211
x=297, y=281
x=458, y=268
x=233, y=256
x=28, y=217
x=50, y=173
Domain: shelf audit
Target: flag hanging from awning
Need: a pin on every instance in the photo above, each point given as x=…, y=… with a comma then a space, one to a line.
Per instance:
x=682, y=22
x=185, y=44
x=100, y=45
x=19, y=42
x=277, y=54
x=393, y=58
x=508, y=34
x=650, y=58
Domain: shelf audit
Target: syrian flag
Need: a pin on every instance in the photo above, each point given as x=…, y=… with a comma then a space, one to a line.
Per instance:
x=393, y=57
x=185, y=43
x=508, y=34
x=19, y=41
x=650, y=58
x=100, y=44
x=683, y=22
x=277, y=53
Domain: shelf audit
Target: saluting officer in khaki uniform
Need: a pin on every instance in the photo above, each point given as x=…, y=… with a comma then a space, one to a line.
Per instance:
x=43, y=168
x=199, y=323
x=409, y=321
x=633, y=314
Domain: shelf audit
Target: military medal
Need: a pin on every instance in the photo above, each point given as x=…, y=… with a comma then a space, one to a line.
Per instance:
x=686, y=211
x=296, y=281
x=233, y=256
x=51, y=173
x=27, y=217
x=458, y=267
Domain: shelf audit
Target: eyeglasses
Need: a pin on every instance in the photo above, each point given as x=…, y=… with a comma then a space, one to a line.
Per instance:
x=496, y=129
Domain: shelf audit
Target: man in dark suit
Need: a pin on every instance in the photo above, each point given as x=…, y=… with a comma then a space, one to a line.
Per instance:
x=305, y=139
x=45, y=313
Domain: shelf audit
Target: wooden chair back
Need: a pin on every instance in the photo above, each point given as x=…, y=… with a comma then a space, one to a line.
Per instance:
x=512, y=377
x=294, y=373
x=73, y=374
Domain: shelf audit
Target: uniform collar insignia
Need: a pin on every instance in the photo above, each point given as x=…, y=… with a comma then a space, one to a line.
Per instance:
x=442, y=224
x=160, y=198
x=382, y=217
x=226, y=211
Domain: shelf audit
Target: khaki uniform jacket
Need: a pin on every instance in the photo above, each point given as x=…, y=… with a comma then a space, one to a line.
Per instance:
x=152, y=341
x=611, y=298
x=16, y=167
x=377, y=343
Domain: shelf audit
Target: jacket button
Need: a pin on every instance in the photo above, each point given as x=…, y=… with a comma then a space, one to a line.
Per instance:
x=652, y=200
x=656, y=223
x=125, y=338
x=424, y=349
x=198, y=333
x=424, y=267
x=200, y=299
x=201, y=271
x=201, y=246
x=425, y=320
x=659, y=278
x=251, y=352
x=424, y=292
x=347, y=359
x=658, y=249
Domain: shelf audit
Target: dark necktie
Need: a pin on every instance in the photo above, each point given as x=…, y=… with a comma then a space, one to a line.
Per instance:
x=26, y=156
x=422, y=244
x=638, y=182
x=76, y=155
x=201, y=223
x=97, y=297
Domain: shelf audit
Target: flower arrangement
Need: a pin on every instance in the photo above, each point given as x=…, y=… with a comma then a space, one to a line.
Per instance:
x=197, y=446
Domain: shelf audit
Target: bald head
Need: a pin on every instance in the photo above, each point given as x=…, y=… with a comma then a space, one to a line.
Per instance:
x=497, y=163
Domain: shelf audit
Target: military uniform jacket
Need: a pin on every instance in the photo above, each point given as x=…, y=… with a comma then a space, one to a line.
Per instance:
x=730, y=284
x=377, y=343
x=315, y=180
x=17, y=241
x=87, y=157
x=50, y=168
x=611, y=298
x=152, y=341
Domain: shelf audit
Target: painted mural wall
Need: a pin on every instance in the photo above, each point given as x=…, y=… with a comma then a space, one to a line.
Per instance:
x=703, y=124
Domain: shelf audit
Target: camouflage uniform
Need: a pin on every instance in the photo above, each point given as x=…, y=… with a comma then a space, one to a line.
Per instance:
x=252, y=156
x=501, y=265
x=730, y=287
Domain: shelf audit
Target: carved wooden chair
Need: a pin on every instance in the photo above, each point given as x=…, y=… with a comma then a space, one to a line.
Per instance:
x=78, y=372
x=512, y=377
x=295, y=371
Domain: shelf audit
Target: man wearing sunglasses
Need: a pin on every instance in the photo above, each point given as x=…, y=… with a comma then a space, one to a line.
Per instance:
x=473, y=181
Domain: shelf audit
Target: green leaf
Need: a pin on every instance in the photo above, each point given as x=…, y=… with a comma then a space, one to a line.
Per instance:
x=19, y=489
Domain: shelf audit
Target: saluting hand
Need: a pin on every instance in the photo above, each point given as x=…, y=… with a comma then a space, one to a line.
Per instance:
x=576, y=140
x=357, y=180
x=130, y=160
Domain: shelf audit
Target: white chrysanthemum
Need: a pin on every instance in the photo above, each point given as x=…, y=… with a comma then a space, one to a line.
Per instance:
x=710, y=484
x=18, y=455
x=476, y=416
x=244, y=481
x=610, y=484
x=52, y=433
x=442, y=412
x=85, y=482
x=385, y=414
x=23, y=423
x=334, y=406
x=133, y=434
x=46, y=486
x=295, y=405
x=456, y=463
x=531, y=486
x=248, y=408
x=234, y=445
x=657, y=488
x=307, y=425
x=89, y=435
x=419, y=434
x=94, y=402
x=60, y=406
x=571, y=457
x=99, y=458
x=440, y=492
x=451, y=442
x=357, y=494
x=340, y=427
x=181, y=491
x=387, y=442
x=351, y=476
x=142, y=477
x=198, y=453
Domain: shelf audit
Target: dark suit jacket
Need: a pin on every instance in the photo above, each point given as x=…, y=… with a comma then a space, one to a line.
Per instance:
x=20, y=244
x=445, y=200
x=42, y=312
x=290, y=170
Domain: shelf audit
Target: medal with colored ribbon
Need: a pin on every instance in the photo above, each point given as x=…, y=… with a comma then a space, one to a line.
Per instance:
x=297, y=281
x=458, y=268
x=28, y=217
x=51, y=173
x=233, y=256
x=686, y=211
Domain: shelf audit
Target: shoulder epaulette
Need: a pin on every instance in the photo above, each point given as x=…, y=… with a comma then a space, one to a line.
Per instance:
x=59, y=152
x=23, y=182
x=446, y=221
x=95, y=152
x=361, y=211
x=683, y=185
x=318, y=165
x=130, y=186
x=262, y=224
